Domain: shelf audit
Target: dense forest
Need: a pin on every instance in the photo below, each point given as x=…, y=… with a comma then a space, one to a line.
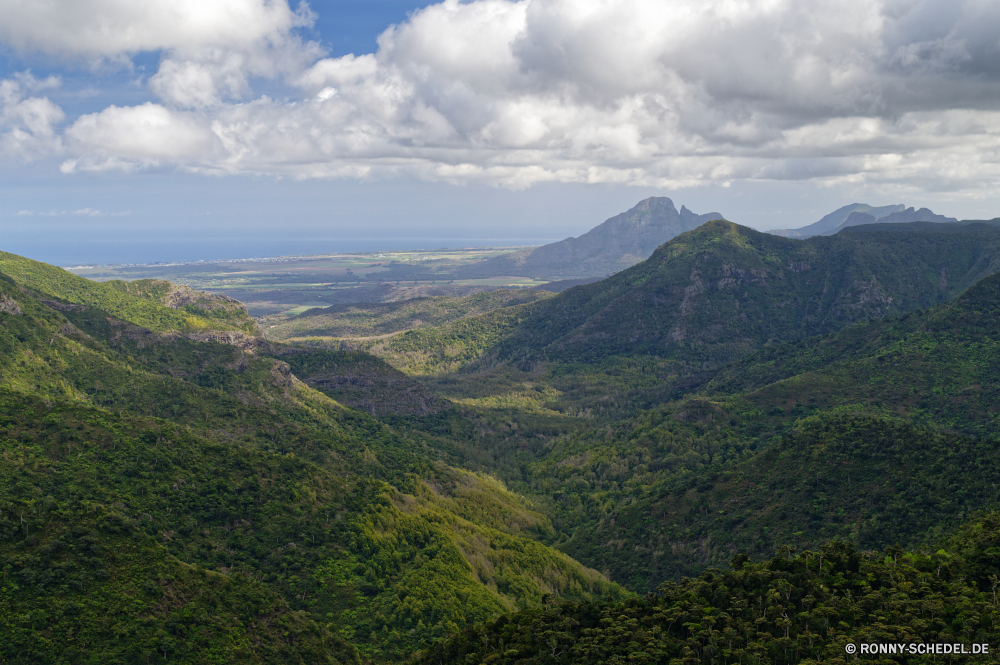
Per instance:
x=745, y=449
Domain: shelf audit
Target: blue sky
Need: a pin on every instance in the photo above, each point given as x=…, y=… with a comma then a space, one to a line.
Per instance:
x=185, y=130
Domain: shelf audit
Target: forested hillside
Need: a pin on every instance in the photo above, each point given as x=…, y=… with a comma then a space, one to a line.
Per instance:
x=714, y=294
x=745, y=449
x=817, y=606
x=205, y=448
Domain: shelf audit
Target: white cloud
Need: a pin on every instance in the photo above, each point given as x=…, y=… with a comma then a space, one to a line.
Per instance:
x=108, y=29
x=136, y=136
x=28, y=124
x=518, y=92
x=208, y=49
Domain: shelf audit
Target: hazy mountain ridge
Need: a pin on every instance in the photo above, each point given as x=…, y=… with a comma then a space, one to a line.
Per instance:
x=614, y=245
x=856, y=214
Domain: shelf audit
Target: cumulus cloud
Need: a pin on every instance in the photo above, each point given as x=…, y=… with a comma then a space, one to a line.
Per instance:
x=208, y=49
x=110, y=28
x=137, y=136
x=516, y=92
x=28, y=125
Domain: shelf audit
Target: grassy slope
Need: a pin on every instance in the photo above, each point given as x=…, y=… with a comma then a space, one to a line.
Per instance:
x=255, y=409
x=224, y=312
x=118, y=298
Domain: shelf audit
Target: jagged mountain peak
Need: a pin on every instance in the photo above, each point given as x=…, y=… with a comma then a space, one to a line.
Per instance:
x=617, y=243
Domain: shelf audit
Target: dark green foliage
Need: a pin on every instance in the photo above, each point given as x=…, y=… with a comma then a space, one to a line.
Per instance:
x=795, y=608
x=719, y=292
x=935, y=367
x=361, y=381
x=862, y=480
x=122, y=414
x=231, y=463
x=83, y=583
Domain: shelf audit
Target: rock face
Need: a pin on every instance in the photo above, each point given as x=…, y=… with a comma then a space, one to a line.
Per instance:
x=9, y=306
x=179, y=296
x=618, y=243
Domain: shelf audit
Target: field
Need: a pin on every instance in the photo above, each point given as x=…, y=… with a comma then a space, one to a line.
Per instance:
x=293, y=284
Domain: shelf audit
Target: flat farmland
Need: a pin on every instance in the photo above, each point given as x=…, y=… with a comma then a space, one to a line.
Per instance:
x=294, y=284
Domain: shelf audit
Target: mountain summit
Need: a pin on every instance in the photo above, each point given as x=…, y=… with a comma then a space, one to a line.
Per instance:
x=618, y=243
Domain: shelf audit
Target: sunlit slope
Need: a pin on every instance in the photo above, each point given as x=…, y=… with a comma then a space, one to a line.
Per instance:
x=154, y=304
x=374, y=319
x=227, y=458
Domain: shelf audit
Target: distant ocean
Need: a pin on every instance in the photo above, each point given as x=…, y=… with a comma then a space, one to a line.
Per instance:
x=105, y=251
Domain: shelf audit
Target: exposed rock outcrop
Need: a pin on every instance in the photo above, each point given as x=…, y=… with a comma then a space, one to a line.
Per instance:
x=9, y=306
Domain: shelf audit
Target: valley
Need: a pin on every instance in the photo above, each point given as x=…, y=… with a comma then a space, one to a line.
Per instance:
x=706, y=443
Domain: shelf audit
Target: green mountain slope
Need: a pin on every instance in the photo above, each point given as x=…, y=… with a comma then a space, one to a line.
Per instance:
x=937, y=367
x=710, y=297
x=818, y=606
x=714, y=294
x=871, y=482
x=221, y=453
x=154, y=304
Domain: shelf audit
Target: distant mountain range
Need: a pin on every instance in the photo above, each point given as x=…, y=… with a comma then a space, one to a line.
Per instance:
x=857, y=214
x=626, y=239
x=618, y=243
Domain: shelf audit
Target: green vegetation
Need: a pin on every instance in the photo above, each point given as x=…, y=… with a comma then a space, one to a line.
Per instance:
x=423, y=485
x=794, y=608
x=373, y=319
x=229, y=462
x=116, y=299
x=870, y=482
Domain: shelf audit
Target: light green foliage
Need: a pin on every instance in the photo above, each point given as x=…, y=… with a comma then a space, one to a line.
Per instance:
x=230, y=463
x=133, y=304
x=373, y=319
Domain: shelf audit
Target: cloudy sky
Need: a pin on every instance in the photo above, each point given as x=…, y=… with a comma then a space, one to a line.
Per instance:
x=193, y=129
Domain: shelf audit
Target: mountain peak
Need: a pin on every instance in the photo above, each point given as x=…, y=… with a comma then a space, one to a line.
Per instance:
x=655, y=203
x=616, y=244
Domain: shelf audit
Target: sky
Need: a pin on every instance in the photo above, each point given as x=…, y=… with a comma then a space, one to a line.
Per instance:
x=195, y=129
